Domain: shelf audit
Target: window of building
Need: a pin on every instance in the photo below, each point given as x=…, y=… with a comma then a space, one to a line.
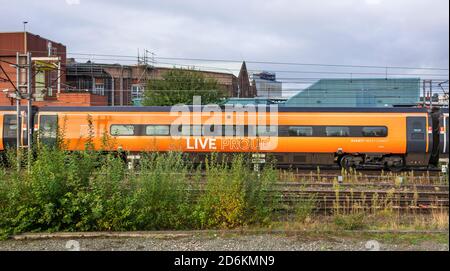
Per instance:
x=136, y=91
x=99, y=89
x=300, y=131
x=122, y=130
x=337, y=131
x=374, y=131
x=157, y=130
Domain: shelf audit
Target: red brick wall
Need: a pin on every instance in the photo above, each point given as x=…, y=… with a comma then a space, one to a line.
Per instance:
x=79, y=99
x=11, y=71
x=11, y=43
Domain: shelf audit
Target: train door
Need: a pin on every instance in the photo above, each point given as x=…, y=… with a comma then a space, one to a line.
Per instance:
x=416, y=128
x=444, y=140
x=435, y=117
x=10, y=131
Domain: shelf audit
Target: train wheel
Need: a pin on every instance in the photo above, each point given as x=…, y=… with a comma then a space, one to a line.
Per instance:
x=396, y=166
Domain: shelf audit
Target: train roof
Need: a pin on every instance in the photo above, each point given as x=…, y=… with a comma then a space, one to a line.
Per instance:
x=191, y=108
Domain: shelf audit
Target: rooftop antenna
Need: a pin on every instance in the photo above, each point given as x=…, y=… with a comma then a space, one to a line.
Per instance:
x=25, y=36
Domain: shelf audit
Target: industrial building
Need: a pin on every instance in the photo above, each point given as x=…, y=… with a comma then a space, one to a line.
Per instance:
x=371, y=92
x=266, y=85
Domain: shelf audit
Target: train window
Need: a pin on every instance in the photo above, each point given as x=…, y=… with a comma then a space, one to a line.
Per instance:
x=211, y=130
x=10, y=126
x=122, y=130
x=9, y=130
x=48, y=129
x=240, y=130
x=197, y=130
x=337, y=131
x=270, y=130
x=13, y=125
x=374, y=131
x=235, y=130
x=157, y=130
x=228, y=130
x=250, y=130
x=183, y=130
x=300, y=131
x=48, y=126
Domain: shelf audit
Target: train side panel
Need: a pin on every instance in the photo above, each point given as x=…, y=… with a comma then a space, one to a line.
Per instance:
x=76, y=130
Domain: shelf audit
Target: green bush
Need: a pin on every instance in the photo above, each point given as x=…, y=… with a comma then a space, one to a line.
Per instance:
x=162, y=193
x=304, y=208
x=234, y=195
x=90, y=191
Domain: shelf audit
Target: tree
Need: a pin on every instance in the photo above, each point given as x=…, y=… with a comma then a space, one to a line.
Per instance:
x=179, y=86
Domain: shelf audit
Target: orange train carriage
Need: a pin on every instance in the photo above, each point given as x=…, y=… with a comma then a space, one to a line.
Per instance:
x=380, y=137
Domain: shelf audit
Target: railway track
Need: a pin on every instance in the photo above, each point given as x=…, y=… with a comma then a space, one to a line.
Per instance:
x=364, y=186
x=333, y=168
x=329, y=197
x=326, y=197
x=351, y=178
x=369, y=176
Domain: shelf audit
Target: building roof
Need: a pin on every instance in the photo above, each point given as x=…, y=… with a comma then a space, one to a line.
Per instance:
x=11, y=42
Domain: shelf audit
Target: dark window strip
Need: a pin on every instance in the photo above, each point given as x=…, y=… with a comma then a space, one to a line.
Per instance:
x=283, y=131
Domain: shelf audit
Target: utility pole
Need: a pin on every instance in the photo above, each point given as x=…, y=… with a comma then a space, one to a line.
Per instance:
x=29, y=108
x=24, y=37
x=18, y=122
x=24, y=73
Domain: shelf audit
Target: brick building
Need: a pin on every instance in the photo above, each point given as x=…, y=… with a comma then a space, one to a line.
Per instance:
x=125, y=84
x=48, y=71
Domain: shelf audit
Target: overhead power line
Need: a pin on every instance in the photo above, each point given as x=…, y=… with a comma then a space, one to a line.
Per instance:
x=348, y=73
x=133, y=57
x=268, y=62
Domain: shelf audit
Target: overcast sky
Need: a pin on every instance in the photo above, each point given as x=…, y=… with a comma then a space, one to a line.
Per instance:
x=361, y=32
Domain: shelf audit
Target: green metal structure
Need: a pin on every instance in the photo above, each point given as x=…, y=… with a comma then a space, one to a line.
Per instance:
x=371, y=92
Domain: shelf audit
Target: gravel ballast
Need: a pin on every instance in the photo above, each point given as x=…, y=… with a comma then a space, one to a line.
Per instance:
x=213, y=242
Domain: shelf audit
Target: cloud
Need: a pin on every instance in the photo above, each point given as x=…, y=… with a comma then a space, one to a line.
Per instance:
x=360, y=32
x=373, y=2
x=73, y=2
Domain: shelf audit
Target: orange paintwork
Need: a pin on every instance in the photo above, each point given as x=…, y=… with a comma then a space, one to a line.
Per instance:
x=76, y=131
x=1, y=131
